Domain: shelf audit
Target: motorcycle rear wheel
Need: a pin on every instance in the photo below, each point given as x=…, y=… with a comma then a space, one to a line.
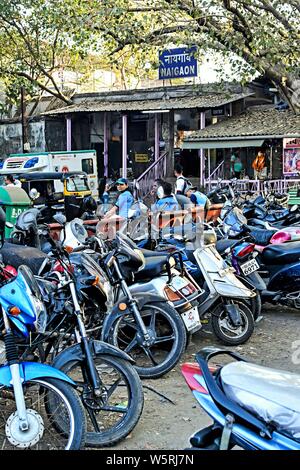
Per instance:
x=223, y=328
x=169, y=344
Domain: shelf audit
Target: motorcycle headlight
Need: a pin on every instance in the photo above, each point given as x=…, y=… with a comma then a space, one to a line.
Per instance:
x=95, y=270
x=41, y=315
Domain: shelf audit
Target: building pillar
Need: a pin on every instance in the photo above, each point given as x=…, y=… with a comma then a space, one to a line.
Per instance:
x=124, y=146
x=156, y=142
x=69, y=134
x=105, y=144
x=170, y=161
x=201, y=152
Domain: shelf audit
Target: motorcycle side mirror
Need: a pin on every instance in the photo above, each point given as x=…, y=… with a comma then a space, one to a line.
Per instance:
x=9, y=225
x=294, y=208
x=60, y=219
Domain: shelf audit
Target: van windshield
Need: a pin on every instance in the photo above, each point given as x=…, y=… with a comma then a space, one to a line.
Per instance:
x=77, y=183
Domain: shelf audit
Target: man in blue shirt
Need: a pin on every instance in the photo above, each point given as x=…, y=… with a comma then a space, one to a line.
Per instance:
x=196, y=197
x=167, y=202
x=124, y=201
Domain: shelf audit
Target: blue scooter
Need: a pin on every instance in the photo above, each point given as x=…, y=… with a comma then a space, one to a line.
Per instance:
x=253, y=407
x=39, y=408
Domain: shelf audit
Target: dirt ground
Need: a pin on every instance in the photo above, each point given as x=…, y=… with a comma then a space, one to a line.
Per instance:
x=164, y=425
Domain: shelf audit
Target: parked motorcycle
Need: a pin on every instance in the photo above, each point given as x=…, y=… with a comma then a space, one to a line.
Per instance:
x=224, y=296
x=39, y=407
x=253, y=407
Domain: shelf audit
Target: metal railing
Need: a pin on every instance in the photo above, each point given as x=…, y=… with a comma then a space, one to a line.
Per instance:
x=158, y=169
x=258, y=186
x=217, y=173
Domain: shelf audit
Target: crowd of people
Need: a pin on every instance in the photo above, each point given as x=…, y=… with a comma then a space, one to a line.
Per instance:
x=163, y=197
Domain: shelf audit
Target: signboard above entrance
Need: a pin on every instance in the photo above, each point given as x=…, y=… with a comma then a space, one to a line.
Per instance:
x=178, y=63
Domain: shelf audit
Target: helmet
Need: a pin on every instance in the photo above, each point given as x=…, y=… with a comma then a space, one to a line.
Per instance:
x=89, y=204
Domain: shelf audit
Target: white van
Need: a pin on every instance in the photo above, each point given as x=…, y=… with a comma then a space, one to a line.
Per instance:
x=81, y=160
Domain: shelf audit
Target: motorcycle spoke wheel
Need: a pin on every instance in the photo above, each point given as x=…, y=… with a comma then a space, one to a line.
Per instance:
x=113, y=415
x=55, y=414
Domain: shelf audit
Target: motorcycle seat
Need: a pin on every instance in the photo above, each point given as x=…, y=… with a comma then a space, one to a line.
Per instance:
x=261, y=236
x=283, y=253
x=222, y=245
x=270, y=394
x=16, y=255
x=151, y=254
x=153, y=267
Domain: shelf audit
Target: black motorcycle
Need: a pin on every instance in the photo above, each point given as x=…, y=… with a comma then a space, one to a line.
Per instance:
x=145, y=326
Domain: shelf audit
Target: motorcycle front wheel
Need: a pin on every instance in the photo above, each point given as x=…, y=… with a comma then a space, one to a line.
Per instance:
x=168, y=334
x=55, y=416
x=225, y=330
x=113, y=415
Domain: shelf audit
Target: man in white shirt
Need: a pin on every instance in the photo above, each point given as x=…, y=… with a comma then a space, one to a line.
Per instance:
x=181, y=182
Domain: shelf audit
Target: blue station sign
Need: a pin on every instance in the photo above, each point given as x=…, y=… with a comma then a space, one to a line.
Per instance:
x=178, y=63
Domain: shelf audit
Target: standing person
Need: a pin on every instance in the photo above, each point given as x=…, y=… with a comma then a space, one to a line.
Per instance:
x=233, y=158
x=237, y=167
x=167, y=200
x=259, y=166
x=124, y=201
x=181, y=181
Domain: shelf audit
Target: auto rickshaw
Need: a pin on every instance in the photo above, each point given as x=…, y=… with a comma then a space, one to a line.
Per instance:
x=59, y=192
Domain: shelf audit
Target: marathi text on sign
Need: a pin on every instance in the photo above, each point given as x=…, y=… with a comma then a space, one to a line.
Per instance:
x=178, y=63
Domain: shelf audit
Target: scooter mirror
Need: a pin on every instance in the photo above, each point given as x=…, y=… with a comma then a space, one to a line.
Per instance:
x=60, y=219
x=9, y=225
x=294, y=208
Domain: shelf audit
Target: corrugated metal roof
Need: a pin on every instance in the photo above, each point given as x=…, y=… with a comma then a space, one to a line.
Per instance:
x=206, y=100
x=256, y=121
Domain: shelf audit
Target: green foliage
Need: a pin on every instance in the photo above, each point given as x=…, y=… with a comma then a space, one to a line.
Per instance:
x=41, y=37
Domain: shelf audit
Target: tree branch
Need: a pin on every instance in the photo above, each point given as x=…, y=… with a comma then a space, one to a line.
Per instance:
x=36, y=82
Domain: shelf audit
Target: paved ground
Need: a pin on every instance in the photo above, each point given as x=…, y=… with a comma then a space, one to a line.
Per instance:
x=167, y=426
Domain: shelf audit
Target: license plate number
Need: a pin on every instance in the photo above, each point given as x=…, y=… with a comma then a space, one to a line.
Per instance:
x=249, y=267
x=191, y=319
x=178, y=283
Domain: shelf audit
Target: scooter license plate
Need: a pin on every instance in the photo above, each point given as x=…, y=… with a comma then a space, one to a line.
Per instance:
x=178, y=282
x=249, y=267
x=191, y=320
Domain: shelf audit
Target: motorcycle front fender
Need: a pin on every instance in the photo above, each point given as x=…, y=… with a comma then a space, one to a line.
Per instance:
x=74, y=353
x=116, y=313
x=234, y=314
x=31, y=371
